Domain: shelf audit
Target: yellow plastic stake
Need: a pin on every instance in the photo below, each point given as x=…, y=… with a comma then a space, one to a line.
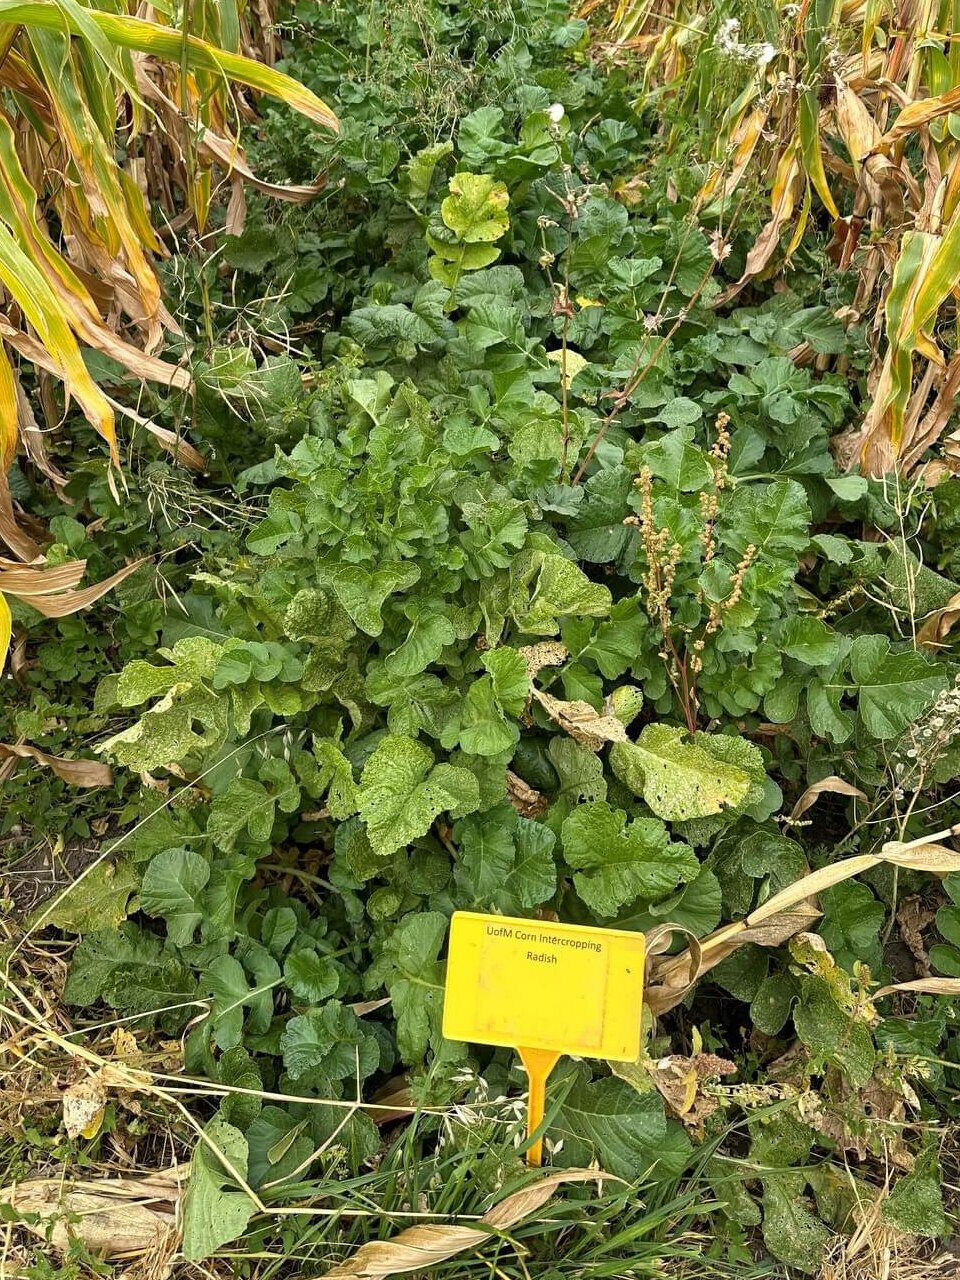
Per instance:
x=539, y=1063
x=544, y=989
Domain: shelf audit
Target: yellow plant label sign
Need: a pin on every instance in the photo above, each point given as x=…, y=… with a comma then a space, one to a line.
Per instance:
x=530, y=984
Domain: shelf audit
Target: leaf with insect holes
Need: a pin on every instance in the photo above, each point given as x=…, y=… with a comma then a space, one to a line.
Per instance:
x=545, y=588
x=677, y=778
x=402, y=791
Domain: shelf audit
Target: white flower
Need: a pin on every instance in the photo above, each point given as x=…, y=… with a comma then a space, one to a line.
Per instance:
x=555, y=112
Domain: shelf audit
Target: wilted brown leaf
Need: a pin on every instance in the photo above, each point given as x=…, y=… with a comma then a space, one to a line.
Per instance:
x=83, y=1105
x=678, y=1079
x=813, y=792
x=581, y=721
x=527, y=802
x=937, y=626
x=912, y=918
x=79, y=773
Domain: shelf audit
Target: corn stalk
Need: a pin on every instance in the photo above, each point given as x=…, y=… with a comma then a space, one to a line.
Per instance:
x=78, y=248
x=848, y=110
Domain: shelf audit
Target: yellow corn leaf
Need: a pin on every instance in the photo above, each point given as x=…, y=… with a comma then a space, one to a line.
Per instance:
x=39, y=304
x=920, y=113
x=9, y=418
x=917, y=249
x=142, y=36
x=784, y=198
x=726, y=177
x=6, y=631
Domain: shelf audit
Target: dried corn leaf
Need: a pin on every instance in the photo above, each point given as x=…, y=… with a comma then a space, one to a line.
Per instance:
x=52, y=591
x=785, y=914
x=113, y=1218
x=923, y=986
x=422, y=1247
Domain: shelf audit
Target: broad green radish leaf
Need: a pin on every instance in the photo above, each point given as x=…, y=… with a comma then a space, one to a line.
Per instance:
x=226, y=981
x=311, y=977
x=450, y=260
x=771, y=1005
x=698, y=906
x=409, y=968
x=597, y=532
x=609, y=1122
x=421, y=167
x=507, y=860
x=727, y=1185
x=616, y=862
x=332, y=1040
x=237, y=1069
x=279, y=1145
x=189, y=717
x=831, y=1033
x=326, y=772
x=170, y=730
x=851, y=924
x=511, y=681
x=172, y=886
x=215, y=1209
x=678, y=778
x=362, y=592
x=773, y=518
x=278, y=929
x=675, y=459
x=811, y=641
x=131, y=971
x=848, y=488
x=533, y=878
x=484, y=729
x=487, y=849
x=892, y=688
x=827, y=718
x=402, y=791
x=430, y=631
x=246, y=805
